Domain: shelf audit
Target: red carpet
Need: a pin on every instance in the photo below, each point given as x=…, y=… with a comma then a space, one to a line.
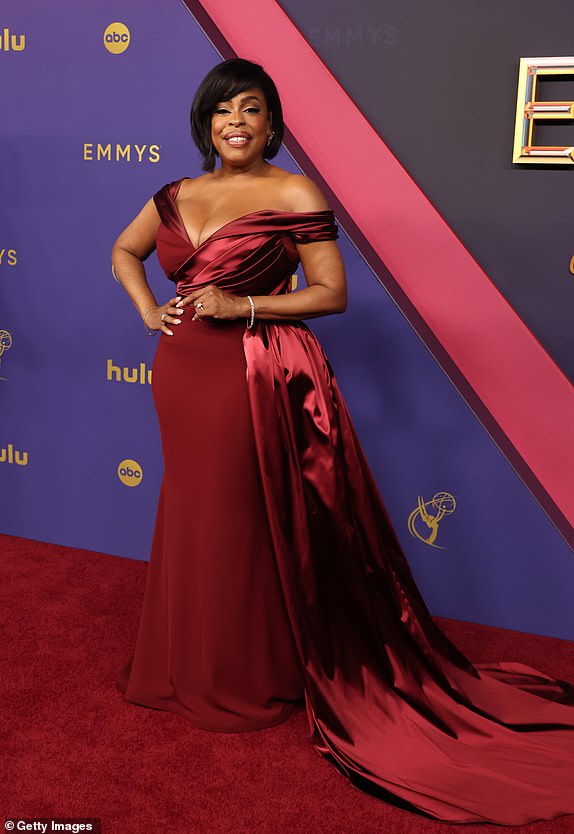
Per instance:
x=73, y=748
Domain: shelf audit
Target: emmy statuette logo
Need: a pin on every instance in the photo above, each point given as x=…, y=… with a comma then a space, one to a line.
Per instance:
x=424, y=520
x=130, y=472
x=5, y=345
x=117, y=38
x=11, y=43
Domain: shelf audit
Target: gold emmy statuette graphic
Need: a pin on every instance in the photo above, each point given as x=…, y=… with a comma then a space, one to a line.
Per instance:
x=117, y=38
x=427, y=515
x=531, y=109
x=5, y=344
x=130, y=472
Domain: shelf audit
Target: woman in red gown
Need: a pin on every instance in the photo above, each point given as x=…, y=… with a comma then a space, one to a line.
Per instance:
x=276, y=578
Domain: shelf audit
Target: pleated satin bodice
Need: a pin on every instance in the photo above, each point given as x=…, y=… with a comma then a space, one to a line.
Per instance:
x=254, y=253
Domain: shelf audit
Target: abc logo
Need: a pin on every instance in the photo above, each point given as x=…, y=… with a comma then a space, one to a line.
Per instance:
x=117, y=38
x=130, y=473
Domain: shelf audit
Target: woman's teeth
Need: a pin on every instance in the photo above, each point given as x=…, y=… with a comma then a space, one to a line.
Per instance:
x=237, y=140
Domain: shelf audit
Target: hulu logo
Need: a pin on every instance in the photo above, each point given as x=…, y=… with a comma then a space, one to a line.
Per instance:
x=141, y=374
x=12, y=455
x=11, y=43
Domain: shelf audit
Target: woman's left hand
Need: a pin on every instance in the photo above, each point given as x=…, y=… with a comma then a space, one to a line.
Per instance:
x=215, y=302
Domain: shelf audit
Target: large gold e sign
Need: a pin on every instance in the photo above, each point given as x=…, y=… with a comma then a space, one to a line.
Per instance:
x=530, y=110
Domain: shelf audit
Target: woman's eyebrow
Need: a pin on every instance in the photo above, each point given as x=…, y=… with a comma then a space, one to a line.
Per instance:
x=243, y=98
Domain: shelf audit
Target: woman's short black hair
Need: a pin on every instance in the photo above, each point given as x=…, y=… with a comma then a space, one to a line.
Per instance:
x=221, y=83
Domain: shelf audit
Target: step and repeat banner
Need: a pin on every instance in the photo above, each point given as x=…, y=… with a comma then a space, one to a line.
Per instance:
x=95, y=107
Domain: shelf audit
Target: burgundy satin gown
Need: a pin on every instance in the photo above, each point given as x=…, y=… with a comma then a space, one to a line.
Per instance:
x=276, y=579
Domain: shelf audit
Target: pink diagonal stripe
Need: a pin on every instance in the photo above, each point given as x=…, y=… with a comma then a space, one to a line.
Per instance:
x=524, y=390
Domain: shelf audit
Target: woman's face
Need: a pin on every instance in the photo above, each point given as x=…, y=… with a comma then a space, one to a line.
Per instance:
x=240, y=126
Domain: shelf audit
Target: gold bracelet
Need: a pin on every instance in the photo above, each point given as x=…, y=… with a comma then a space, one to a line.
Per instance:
x=149, y=331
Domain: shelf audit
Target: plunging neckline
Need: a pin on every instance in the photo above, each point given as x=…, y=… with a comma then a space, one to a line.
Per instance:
x=235, y=219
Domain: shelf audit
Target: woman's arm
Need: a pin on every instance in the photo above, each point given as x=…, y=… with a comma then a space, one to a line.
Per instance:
x=325, y=293
x=323, y=266
x=133, y=246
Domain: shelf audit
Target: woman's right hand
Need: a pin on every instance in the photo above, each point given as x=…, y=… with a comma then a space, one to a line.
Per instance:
x=158, y=318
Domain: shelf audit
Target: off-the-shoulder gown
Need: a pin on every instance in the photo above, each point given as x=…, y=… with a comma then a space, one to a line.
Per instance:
x=276, y=579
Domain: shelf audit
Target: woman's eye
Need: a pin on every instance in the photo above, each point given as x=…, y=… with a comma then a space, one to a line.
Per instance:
x=248, y=109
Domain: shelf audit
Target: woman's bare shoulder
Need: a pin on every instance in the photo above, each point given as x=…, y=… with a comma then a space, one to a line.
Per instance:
x=190, y=184
x=302, y=194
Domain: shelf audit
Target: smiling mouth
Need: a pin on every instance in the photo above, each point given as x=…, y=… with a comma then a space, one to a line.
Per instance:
x=237, y=141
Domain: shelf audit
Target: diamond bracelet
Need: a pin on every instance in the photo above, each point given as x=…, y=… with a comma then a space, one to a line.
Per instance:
x=252, y=319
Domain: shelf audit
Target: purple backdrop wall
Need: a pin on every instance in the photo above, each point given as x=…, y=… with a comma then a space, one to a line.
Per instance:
x=71, y=341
